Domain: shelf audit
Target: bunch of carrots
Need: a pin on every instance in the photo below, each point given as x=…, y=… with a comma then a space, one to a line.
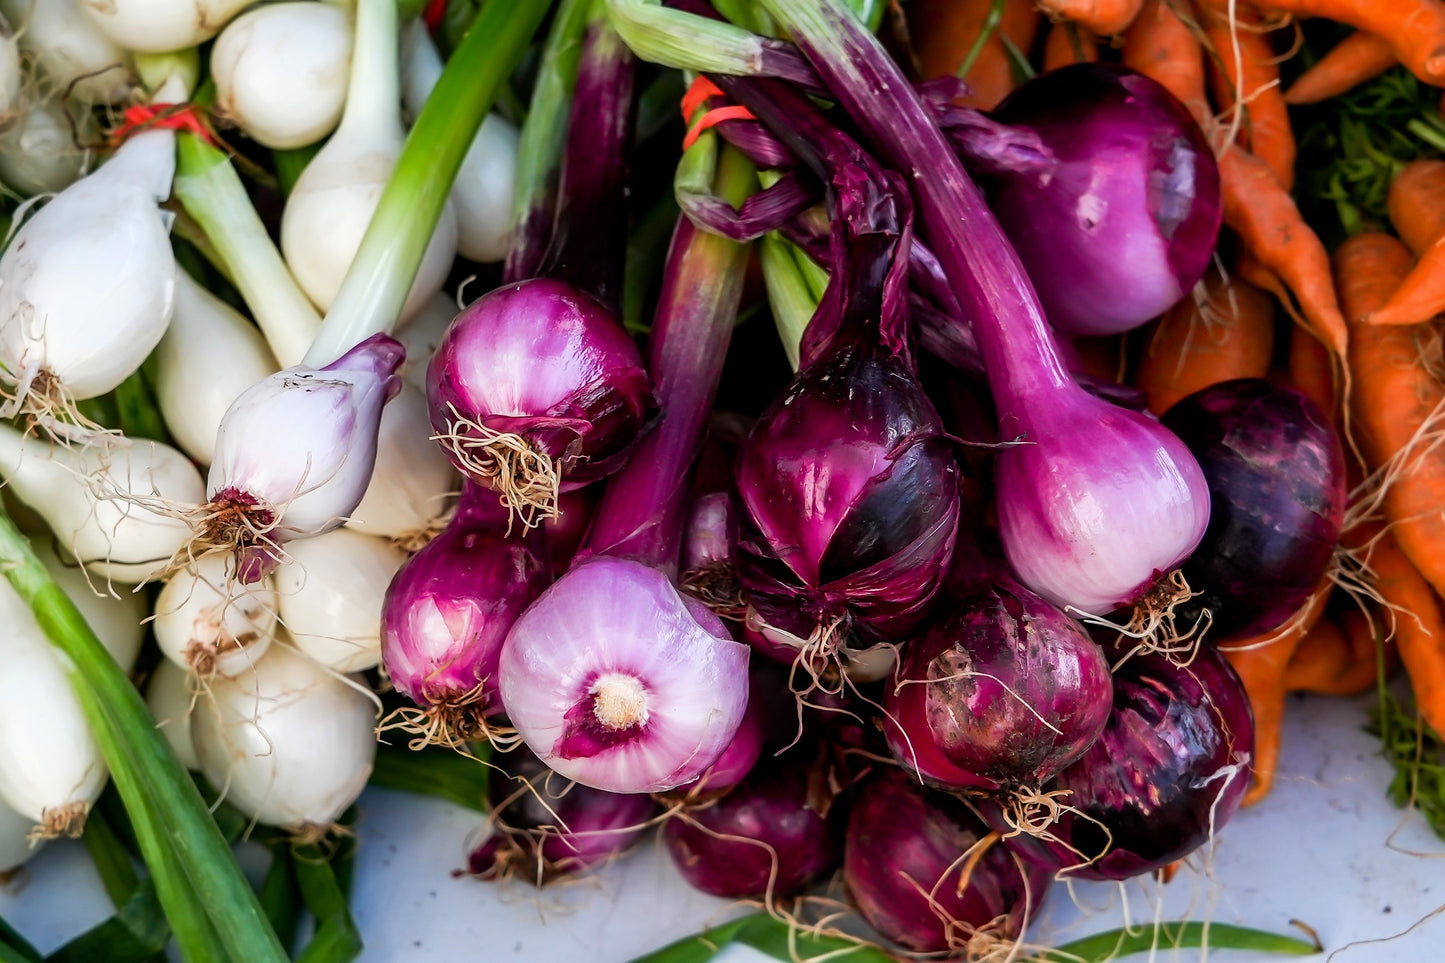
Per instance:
x=1355, y=329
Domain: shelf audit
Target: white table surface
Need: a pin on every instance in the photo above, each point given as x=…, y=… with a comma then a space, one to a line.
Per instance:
x=1325, y=848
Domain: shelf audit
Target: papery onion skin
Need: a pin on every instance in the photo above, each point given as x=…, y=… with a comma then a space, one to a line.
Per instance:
x=618, y=618
x=768, y=837
x=1124, y=222
x=546, y=361
x=904, y=843
x=450, y=606
x=1276, y=473
x=1168, y=772
x=545, y=827
x=1008, y=689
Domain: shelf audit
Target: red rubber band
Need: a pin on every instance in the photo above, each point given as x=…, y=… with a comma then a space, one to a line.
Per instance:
x=167, y=116
x=435, y=11
x=702, y=88
x=716, y=116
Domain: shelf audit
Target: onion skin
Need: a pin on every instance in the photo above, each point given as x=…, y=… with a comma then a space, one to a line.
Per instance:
x=723, y=849
x=902, y=838
x=1158, y=778
x=1276, y=474
x=1035, y=691
x=1124, y=222
x=543, y=360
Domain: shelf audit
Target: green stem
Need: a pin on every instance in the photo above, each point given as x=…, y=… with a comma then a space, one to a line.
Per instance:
x=381, y=275
x=207, y=900
x=792, y=303
x=211, y=191
x=432, y=772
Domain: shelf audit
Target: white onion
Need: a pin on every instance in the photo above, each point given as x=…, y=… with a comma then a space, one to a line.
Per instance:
x=482, y=192
x=413, y=480
x=280, y=72
x=170, y=699
x=209, y=623
x=51, y=770
x=91, y=497
x=421, y=334
x=38, y=152
x=116, y=618
x=155, y=26
x=77, y=58
x=331, y=205
x=12, y=79
x=87, y=284
x=330, y=590
x=288, y=744
x=195, y=394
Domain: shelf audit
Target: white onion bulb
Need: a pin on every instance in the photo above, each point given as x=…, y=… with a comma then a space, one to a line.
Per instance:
x=75, y=56
x=194, y=397
x=209, y=623
x=12, y=79
x=330, y=590
x=155, y=26
x=267, y=55
x=421, y=334
x=38, y=152
x=116, y=618
x=170, y=700
x=412, y=483
x=16, y=847
x=288, y=744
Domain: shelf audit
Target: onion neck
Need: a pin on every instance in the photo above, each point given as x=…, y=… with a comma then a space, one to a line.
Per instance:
x=211, y=192
x=391, y=252
x=588, y=246
x=372, y=120
x=986, y=275
x=644, y=509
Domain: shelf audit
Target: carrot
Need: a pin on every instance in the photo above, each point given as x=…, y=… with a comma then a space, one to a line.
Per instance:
x=1230, y=335
x=1417, y=204
x=1266, y=219
x=1262, y=664
x=944, y=33
x=1066, y=44
x=1159, y=45
x=1103, y=17
x=1249, y=76
x=1319, y=661
x=1359, y=57
x=1415, y=29
x=1311, y=371
x=1396, y=402
x=1262, y=213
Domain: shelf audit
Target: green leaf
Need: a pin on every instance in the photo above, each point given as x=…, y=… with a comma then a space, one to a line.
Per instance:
x=337, y=939
x=1191, y=935
x=765, y=934
x=280, y=894
x=433, y=772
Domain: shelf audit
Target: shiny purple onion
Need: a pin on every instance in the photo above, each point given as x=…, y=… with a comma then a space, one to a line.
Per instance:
x=534, y=388
x=1004, y=687
x=449, y=608
x=1168, y=771
x=1124, y=221
x=545, y=827
x=1276, y=474
x=906, y=853
x=617, y=680
x=769, y=837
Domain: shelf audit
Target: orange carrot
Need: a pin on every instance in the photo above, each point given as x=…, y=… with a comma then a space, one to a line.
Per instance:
x=1397, y=401
x=1103, y=17
x=1249, y=75
x=1266, y=219
x=1415, y=29
x=1417, y=204
x=1320, y=660
x=1194, y=345
x=1420, y=296
x=1359, y=57
x=944, y=32
x=1311, y=370
x=1159, y=45
x=1262, y=664
x=1067, y=44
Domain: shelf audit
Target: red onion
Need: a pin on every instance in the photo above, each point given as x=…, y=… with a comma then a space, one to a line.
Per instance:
x=926, y=872
x=1276, y=473
x=769, y=837
x=545, y=827
x=1123, y=222
x=448, y=611
x=1002, y=690
x=536, y=387
x=1169, y=770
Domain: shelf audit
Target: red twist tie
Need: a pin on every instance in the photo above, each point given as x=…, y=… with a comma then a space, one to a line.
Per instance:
x=167, y=116
x=435, y=11
x=701, y=91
